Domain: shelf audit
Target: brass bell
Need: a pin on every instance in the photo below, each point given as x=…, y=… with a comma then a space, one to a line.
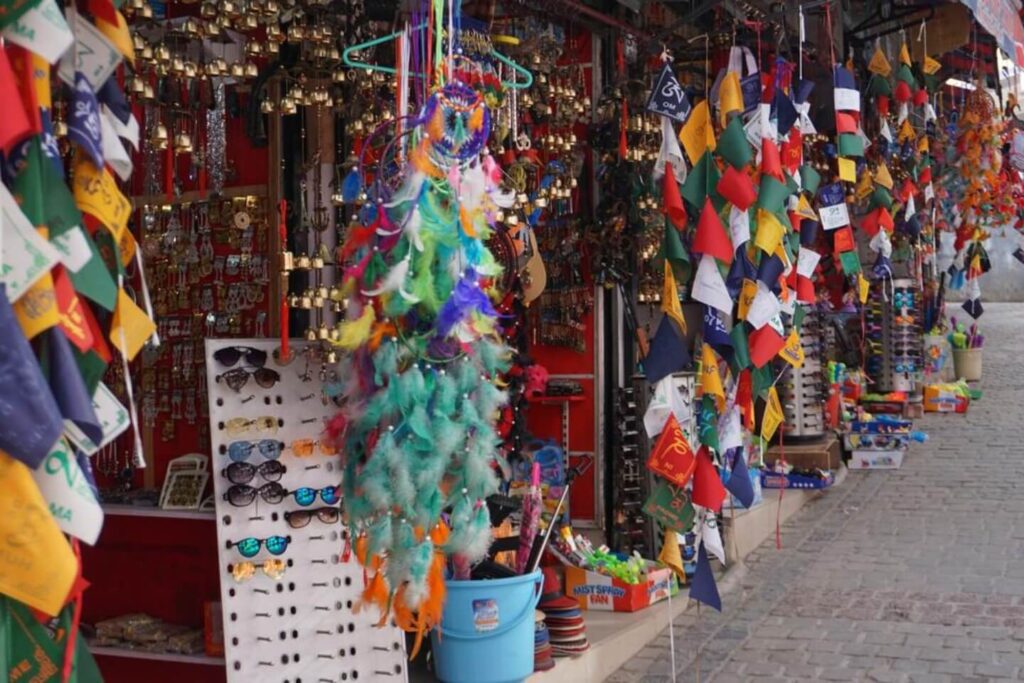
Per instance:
x=512, y=221
x=317, y=262
x=293, y=301
x=322, y=332
x=338, y=76
x=540, y=202
x=272, y=48
x=222, y=66
x=228, y=7
x=499, y=216
x=208, y=10
x=271, y=7
x=147, y=54
x=237, y=70
x=190, y=70
x=190, y=26
x=251, y=22
x=302, y=262
x=148, y=94
x=288, y=106
x=160, y=137
x=60, y=128
x=332, y=357
x=306, y=301
x=337, y=199
x=251, y=70
x=318, y=301
x=253, y=49
x=334, y=54
x=295, y=34
x=323, y=292
x=267, y=107
x=182, y=143
x=287, y=261
x=295, y=92
x=310, y=334
x=177, y=65
x=147, y=12
x=138, y=43
x=211, y=69
x=137, y=85
x=163, y=53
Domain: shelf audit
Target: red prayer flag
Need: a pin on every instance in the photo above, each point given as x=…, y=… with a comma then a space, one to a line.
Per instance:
x=672, y=456
x=737, y=188
x=672, y=200
x=708, y=490
x=711, y=237
x=14, y=124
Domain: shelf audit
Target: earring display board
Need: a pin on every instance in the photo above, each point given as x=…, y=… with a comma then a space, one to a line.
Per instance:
x=803, y=391
x=290, y=586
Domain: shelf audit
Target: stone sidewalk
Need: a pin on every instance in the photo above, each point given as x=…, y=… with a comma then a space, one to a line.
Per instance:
x=909, y=575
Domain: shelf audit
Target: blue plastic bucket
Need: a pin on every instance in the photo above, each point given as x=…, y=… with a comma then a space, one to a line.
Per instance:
x=486, y=633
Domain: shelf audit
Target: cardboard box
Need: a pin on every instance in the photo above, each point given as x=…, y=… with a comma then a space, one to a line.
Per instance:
x=823, y=454
x=877, y=459
x=600, y=592
x=940, y=398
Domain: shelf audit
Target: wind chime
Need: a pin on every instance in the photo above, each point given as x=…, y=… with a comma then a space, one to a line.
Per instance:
x=418, y=382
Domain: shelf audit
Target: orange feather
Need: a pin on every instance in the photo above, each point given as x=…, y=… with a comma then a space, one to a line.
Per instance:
x=467, y=222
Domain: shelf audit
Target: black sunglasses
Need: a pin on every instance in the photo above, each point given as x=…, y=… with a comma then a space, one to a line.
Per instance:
x=243, y=472
x=241, y=495
x=299, y=518
x=231, y=355
x=238, y=377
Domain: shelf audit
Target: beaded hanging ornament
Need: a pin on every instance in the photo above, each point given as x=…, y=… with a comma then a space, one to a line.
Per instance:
x=418, y=392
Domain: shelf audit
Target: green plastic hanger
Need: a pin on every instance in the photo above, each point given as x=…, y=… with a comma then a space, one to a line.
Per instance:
x=346, y=57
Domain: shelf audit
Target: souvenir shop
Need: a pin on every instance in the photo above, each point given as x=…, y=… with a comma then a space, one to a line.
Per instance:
x=362, y=341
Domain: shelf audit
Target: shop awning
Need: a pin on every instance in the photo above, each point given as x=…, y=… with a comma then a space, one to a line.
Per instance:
x=1001, y=18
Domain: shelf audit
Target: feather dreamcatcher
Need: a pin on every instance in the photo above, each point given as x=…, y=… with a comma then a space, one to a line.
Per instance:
x=418, y=384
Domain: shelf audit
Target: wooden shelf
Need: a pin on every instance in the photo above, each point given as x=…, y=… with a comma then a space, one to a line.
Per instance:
x=143, y=511
x=575, y=398
x=156, y=656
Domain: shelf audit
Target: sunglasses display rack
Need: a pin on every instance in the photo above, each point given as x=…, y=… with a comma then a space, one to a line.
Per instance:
x=803, y=389
x=892, y=337
x=290, y=584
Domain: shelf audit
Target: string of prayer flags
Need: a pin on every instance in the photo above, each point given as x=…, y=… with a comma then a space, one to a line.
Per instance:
x=698, y=134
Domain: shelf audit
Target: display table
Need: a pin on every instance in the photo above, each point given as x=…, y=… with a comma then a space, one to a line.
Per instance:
x=823, y=453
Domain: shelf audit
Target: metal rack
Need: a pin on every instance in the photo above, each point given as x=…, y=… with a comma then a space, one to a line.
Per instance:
x=803, y=389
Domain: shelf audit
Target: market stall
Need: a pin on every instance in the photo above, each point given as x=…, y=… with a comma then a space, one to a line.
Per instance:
x=367, y=342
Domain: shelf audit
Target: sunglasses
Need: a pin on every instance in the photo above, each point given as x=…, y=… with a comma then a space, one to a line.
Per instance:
x=300, y=518
x=231, y=355
x=243, y=472
x=244, y=571
x=303, y=448
x=306, y=496
x=241, y=495
x=250, y=547
x=243, y=425
x=239, y=377
x=239, y=451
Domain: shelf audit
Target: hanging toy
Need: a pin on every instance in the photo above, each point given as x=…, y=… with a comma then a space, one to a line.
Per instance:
x=418, y=388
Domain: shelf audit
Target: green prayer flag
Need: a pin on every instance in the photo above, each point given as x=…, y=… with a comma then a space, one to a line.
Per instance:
x=791, y=183
x=733, y=146
x=850, y=262
x=851, y=145
x=703, y=182
x=881, y=197
x=740, y=348
x=39, y=656
x=673, y=251
x=12, y=10
x=28, y=184
x=809, y=178
x=798, y=317
x=879, y=86
x=670, y=506
x=92, y=368
x=904, y=73
x=761, y=379
x=772, y=195
x=90, y=278
x=708, y=423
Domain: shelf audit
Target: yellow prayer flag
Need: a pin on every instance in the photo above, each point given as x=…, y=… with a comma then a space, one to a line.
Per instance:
x=793, y=351
x=769, y=231
x=879, y=64
x=883, y=177
x=865, y=186
x=96, y=193
x=730, y=96
x=118, y=35
x=131, y=327
x=906, y=132
x=923, y=146
x=710, y=379
x=931, y=66
x=697, y=134
x=804, y=209
x=747, y=295
x=41, y=81
x=847, y=170
x=37, y=567
x=670, y=305
x=773, y=415
x=670, y=555
x=904, y=54
x=863, y=288
x=36, y=309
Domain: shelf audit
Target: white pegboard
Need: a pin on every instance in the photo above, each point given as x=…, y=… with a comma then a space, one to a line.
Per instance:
x=301, y=628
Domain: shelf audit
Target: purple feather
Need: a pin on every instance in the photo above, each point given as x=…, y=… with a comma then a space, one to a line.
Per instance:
x=466, y=298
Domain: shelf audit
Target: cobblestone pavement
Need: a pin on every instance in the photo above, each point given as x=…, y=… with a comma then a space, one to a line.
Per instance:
x=912, y=575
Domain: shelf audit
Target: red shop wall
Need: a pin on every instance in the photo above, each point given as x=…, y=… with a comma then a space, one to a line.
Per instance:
x=545, y=419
